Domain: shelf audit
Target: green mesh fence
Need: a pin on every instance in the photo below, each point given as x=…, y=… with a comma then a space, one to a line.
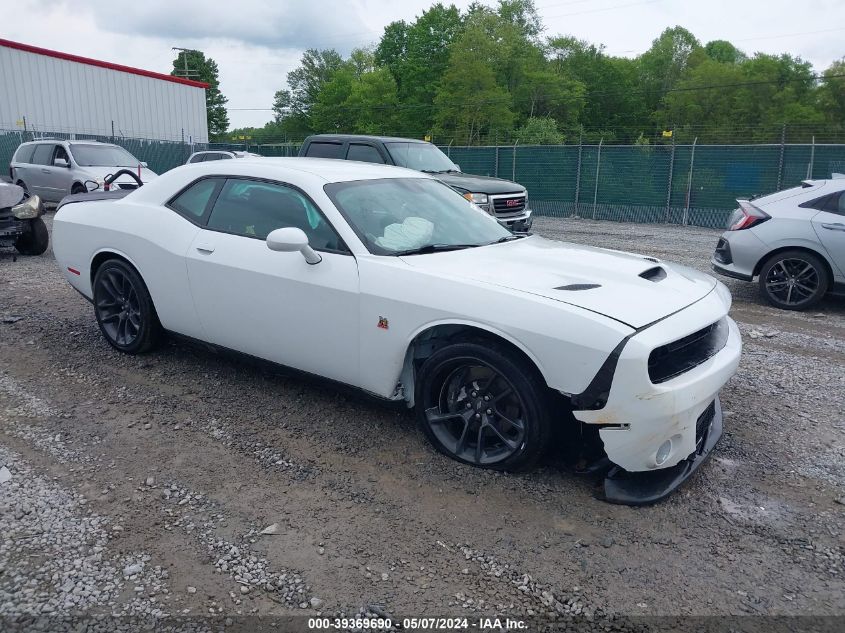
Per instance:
x=684, y=184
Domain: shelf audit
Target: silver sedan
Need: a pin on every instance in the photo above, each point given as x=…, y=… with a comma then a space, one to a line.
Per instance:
x=793, y=241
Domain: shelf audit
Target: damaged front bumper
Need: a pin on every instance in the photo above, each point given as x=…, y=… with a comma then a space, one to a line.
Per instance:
x=643, y=488
x=657, y=434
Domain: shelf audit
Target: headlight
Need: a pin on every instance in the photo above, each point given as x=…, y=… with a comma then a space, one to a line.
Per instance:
x=477, y=198
x=28, y=209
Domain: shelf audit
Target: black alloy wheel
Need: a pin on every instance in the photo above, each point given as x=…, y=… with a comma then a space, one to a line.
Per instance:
x=124, y=309
x=793, y=280
x=484, y=406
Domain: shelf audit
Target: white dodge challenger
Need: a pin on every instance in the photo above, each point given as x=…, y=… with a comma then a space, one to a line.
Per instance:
x=388, y=280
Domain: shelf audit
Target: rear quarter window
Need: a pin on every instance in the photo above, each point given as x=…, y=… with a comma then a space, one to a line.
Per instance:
x=24, y=154
x=324, y=150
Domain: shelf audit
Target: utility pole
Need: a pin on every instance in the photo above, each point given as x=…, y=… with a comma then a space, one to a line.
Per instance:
x=187, y=73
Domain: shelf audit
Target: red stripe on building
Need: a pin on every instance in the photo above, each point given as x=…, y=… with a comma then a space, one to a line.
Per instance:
x=101, y=64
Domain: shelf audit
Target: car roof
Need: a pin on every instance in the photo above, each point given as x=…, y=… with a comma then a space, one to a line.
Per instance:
x=325, y=169
x=81, y=141
x=362, y=137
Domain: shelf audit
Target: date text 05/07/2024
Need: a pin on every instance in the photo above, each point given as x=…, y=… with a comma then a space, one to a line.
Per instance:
x=419, y=624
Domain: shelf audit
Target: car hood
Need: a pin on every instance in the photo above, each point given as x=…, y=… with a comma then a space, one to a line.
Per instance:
x=479, y=184
x=623, y=286
x=98, y=173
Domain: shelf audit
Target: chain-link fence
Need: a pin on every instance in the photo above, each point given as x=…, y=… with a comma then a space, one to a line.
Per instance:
x=681, y=184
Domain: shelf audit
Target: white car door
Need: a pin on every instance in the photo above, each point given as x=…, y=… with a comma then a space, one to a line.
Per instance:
x=829, y=225
x=270, y=304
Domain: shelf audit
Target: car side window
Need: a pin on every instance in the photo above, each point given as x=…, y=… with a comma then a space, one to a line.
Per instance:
x=364, y=153
x=837, y=205
x=43, y=154
x=24, y=154
x=254, y=208
x=324, y=150
x=194, y=202
x=61, y=153
x=197, y=159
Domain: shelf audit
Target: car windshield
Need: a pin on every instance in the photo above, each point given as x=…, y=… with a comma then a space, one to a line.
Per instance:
x=102, y=156
x=420, y=156
x=403, y=216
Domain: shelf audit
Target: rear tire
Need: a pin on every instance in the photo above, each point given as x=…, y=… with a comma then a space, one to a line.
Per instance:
x=794, y=280
x=36, y=241
x=124, y=309
x=483, y=405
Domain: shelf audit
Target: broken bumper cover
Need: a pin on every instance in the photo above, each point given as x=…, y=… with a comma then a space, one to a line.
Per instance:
x=643, y=488
x=648, y=428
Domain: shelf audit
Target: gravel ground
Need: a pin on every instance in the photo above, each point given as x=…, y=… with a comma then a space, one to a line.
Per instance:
x=140, y=485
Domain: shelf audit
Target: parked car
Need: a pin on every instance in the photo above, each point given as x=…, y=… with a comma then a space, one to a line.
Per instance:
x=793, y=241
x=388, y=280
x=207, y=155
x=52, y=169
x=21, y=224
x=505, y=200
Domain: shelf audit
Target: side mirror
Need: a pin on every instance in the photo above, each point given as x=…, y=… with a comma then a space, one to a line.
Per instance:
x=61, y=162
x=144, y=164
x=291, y=239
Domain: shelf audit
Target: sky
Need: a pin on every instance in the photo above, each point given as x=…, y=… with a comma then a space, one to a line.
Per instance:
x=256, y=43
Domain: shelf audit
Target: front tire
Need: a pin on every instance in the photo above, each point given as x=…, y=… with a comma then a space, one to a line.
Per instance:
x=36, y=241
x=124, y=309
x=481, y=404
x=794, y=280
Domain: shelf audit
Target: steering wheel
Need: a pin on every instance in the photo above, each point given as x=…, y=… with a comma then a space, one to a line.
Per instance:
x=108, y=180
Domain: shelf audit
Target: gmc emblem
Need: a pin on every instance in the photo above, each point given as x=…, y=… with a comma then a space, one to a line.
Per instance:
x=512, y=203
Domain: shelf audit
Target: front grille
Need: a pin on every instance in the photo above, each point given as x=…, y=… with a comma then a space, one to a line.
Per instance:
x=702, y=425
x=723, y=252
x=675, y=358
x=8, y=224
x=509, y=204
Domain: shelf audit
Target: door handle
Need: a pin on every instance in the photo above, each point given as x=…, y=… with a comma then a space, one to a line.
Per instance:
x=205, y=248
x=837, y=226
x=45, y=171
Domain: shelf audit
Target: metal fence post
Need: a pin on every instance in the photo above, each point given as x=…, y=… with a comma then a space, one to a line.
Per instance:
x=496, y=166
x=513, y=165
x=449, y=148
x=671, y=172
x=578, y=172
x=598, y=166
x=812, y=158
x=780, y=160
x=689, y=182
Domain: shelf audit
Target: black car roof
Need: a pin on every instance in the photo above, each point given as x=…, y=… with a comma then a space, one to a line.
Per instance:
x=362, y=137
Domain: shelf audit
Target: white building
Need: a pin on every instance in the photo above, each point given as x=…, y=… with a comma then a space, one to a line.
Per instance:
x=52, y=92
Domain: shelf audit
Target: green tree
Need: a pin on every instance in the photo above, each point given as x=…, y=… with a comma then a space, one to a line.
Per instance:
x=832, y=93
x=202, y=68
x=539, y=131
x=292, y=105
x=469, y=102
x=417, y=56
x=662, y=65
x=724, y=52
x=360, y=98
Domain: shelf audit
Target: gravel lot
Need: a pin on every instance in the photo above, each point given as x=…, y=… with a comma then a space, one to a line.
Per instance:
x=140, y=485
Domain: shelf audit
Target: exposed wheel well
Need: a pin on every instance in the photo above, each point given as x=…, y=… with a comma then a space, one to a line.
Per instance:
x=758, y=267
x=429, y=341
x=77, y=184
